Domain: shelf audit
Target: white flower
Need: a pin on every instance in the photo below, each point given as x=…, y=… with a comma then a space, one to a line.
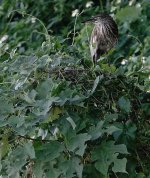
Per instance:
x=138, y=5
x=89, y=4
x=124, y=61
x=75, y=12
x=143, y=60
x=4, y=38
x=118, y=1
x=33, y=19
x=131, y=2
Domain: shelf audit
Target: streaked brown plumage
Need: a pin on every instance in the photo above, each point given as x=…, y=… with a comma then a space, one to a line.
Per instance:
x=104, y=35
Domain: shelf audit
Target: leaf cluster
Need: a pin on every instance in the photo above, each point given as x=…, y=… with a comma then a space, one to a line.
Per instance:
x=60, y=115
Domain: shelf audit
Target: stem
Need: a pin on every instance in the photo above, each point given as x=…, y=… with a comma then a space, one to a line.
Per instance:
x=45, y=29
x=74, y=28
x=101, y=5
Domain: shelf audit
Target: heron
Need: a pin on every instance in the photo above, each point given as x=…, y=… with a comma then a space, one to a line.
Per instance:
x=104, y=35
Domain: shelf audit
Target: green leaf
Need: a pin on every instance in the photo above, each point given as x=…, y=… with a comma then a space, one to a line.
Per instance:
x=52, y=173
x=5, y=106
x=77, y=100
x=3, y=121
x=42, y=107
x=4, y=148
x=96, y=82
x=29, y=97
x=124, y=104
x=46, y=168
x=97, y=131
x=70, y=120
x=108, y=68
x=106, y=154
x=111, y=117
x=38, y=169
x=16, y=121
x=103, y=163
x=49, y=151
x=45, y=88
x=120, y=165
x=69, y=167
x=29, y=149
x=18, y=158
x=111, y=129
x=77, y=143
x=128, y=13
x=43, y=61
x=65, y=95
x=55, y=113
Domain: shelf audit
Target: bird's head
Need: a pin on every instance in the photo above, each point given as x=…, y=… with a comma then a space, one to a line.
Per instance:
x=100, y=18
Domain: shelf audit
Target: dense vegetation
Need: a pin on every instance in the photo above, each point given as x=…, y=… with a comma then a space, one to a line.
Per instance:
x=61, y=116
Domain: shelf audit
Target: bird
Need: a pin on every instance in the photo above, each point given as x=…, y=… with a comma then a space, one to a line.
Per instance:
x=104, y=35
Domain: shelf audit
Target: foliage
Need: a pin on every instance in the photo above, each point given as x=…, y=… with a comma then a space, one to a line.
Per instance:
x=61, y=116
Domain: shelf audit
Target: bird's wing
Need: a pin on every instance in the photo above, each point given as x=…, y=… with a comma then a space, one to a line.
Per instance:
x=97, y=44
x=94, y=44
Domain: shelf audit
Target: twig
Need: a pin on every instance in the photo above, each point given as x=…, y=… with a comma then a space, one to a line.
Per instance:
x=139, y=160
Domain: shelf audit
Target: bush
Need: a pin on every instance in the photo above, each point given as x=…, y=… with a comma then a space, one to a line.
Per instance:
x=63, y=117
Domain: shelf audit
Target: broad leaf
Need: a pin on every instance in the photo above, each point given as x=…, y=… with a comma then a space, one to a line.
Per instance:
x=68, y=168
x=106, y=154
x=124, y=104
x=120, y=165
x=97, y=131
x=17, y=158
x=128, y=14
x=77, y=143
x=49, y=151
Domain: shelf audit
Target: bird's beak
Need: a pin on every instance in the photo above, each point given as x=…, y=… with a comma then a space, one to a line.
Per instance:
x=89, y=20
